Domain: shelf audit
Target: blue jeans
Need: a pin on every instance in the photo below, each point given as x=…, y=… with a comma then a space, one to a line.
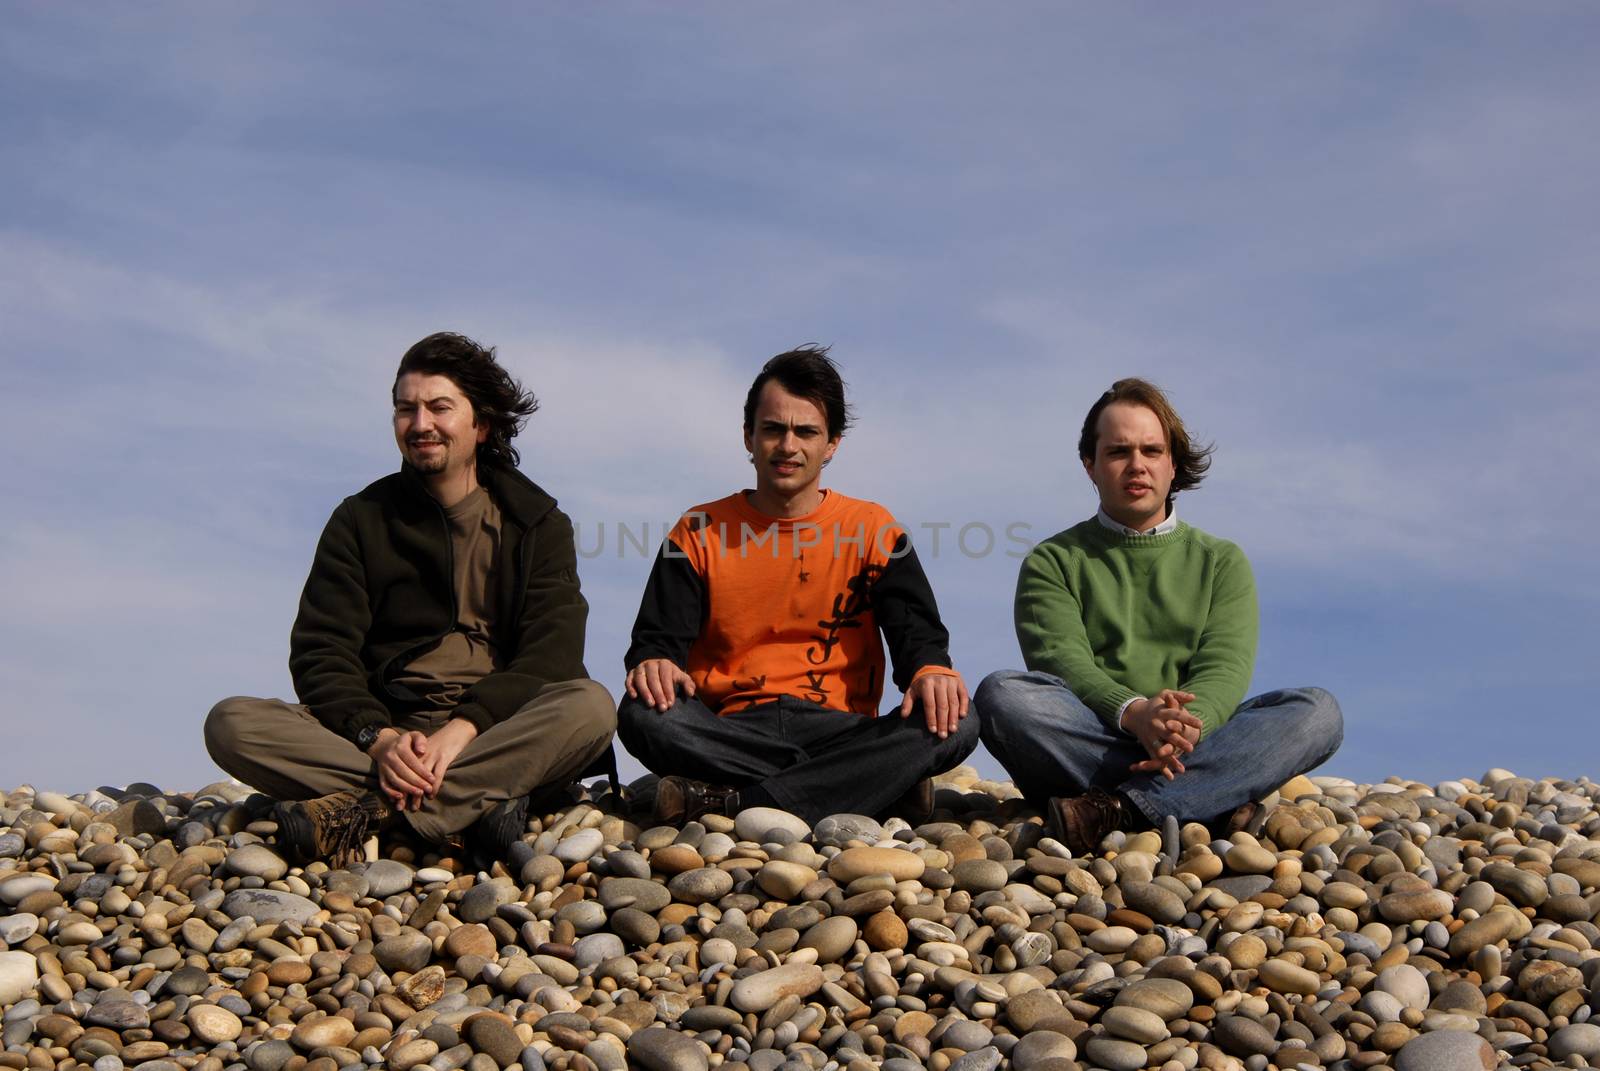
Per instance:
x=1054, y=745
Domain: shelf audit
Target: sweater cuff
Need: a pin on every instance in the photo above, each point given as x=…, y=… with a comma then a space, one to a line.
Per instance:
x=1123, y=709
x=476, y=714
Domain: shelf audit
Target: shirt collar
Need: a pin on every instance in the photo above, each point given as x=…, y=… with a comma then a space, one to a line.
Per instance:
x=1168, y=525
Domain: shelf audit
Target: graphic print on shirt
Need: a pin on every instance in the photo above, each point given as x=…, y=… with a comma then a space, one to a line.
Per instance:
x=767, y=608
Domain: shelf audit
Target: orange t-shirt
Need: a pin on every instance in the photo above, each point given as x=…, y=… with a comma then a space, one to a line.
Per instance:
x=790, y=605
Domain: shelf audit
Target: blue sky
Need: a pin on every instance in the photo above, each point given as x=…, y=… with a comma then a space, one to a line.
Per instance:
x=1355, y=243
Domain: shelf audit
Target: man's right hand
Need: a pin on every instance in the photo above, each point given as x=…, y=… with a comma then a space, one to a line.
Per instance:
x=1164, y=729
x=402, y=772
x=657, y=680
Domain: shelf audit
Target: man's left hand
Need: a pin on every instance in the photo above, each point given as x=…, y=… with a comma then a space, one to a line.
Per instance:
x=944, y=701
x=442, y=748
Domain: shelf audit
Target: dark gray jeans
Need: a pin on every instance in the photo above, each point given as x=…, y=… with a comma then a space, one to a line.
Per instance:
x=1054, y=745
x=814, y=761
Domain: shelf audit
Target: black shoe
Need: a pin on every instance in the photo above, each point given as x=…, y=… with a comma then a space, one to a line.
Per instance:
x=915, y=804
x=332, y=828
x=1082, y=822
x=490, y=838
x=679, y=800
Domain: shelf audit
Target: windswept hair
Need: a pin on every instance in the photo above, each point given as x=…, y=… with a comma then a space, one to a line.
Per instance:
x=497, y=399
x=806, y=372
x=1189, y=460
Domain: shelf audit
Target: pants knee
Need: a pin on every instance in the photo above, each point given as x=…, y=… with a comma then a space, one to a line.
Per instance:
x=994, y=689
x=224, y=728
x=1000, y=701
x=597, y=710
x=636, y=723
x=969, y=732
x=1326, y=720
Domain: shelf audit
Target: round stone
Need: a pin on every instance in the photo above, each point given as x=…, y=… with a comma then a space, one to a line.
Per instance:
x=579, y=846
x=1134, y=1024
x=1115, y=1054
x=17, y=928
x=1406, y=984
x=884, y=930
x=640, y=893
x=329, y=1031
x=1167, y=998
x=701, y=885
x=1033, y=1049
x=635, y=927
x=1159, y=902
x=658, y=1049
x=479, y=903
x=1383, y=1007
x=979, y=875
x=1446, y=1050
x=1576, y=1039
x=269, y=906
x=408, y=951
x=832, y=938
x=213, y=1025
x=838, y=830
x=387, y=877
x=757, y=824
x=1241, y=1036
x=1416, y=904
x=186, y=981
x=596, y=948
x=270, y=1055
x=19, y=974
x=966, y=1035
x=760, y=991
x=473, y=939
x=854, y=863
x=1247, y=858
x=495, y=1035
x=783, y=881
x=1281, y=976
x=256, y=861
x=121, y=1014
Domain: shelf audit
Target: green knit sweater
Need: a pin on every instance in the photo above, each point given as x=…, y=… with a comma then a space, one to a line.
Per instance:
x=1117, y=616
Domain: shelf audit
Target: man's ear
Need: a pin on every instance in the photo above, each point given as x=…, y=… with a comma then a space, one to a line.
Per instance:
x=483, y=430
x=833, y=448
x=1088, y=468
x=749, y=443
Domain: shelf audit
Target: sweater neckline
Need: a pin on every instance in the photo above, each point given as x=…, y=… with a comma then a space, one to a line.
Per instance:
x=1138, y=542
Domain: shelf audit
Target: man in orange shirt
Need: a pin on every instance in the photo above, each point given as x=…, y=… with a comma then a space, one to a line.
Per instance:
x=756, y=667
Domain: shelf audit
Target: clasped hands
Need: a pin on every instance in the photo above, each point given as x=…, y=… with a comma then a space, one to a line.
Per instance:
x=943, y=696
x=411, y=765
x=1166, y=730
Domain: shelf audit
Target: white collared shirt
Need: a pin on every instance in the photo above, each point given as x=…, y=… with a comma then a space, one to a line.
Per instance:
x=1168, y=525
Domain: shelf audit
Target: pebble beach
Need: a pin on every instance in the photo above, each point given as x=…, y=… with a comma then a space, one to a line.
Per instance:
x=1421, y=927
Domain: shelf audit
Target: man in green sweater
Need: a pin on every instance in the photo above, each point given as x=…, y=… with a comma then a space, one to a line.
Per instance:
x=1139, y=633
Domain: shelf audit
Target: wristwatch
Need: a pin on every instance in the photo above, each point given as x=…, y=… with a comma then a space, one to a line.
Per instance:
x=369, y=736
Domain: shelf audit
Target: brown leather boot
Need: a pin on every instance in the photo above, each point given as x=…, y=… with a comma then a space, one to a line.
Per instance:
x=1082, y=822
x=679, y=800
x=332, y=828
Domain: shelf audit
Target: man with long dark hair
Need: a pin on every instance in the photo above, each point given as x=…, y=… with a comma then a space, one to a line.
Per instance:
x=1139, y=633
x=756, y=666
x=438, y=651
